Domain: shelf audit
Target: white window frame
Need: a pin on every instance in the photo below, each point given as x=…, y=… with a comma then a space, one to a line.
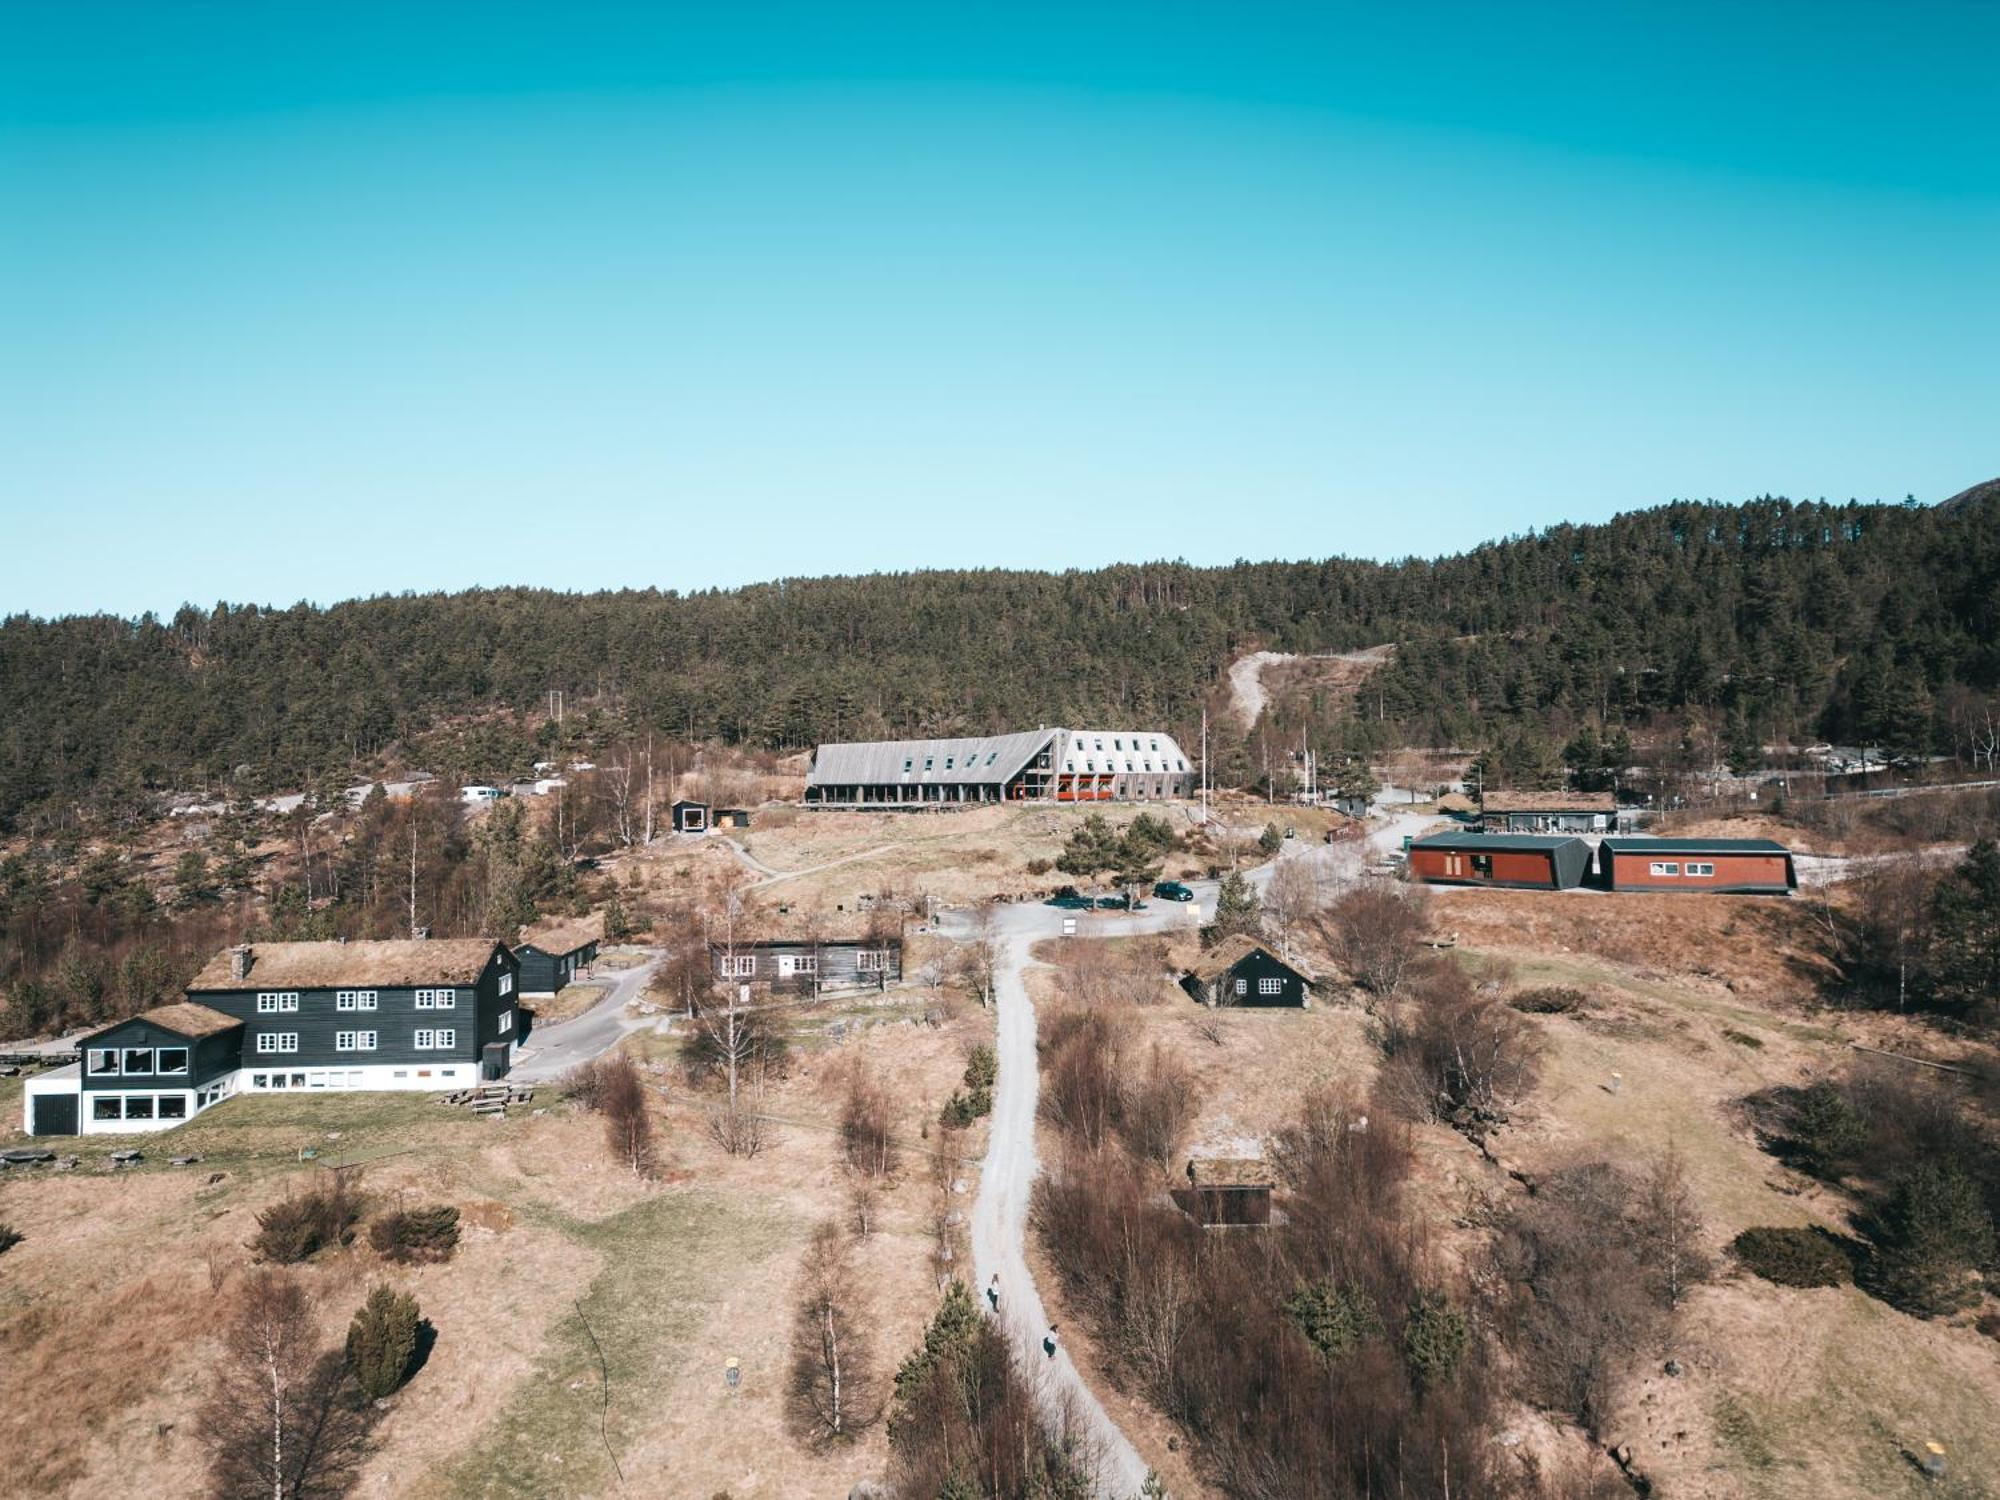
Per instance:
x=739, y=966
x=125, y=1056
x=797, y=963
x=507, y=982
x=506, y=1021
x=161, y=1101
x=277, y=1002
x=1270, y=984
x=354, y=1000
x=1700, y=867
x=95, y=1059
x=437, y=999
x=98, y=1103
x=1663, y=868
x=871, y=961
x=277, y=1043
x=355, y=1041
x=161, y=1070
x=1242, y=986
x=434, y=1039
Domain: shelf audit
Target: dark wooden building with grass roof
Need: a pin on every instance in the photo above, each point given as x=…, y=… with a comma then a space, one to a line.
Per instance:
x=553, y=953
x=1240, y=970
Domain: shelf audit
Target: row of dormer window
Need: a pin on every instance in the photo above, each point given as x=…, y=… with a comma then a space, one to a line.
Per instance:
x=286, y=1002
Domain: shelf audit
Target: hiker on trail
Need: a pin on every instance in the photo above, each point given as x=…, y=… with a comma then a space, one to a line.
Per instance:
x=1049, y=1342
x=993, y=1291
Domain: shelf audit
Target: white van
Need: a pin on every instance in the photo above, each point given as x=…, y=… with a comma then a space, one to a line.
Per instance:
x=476, y=794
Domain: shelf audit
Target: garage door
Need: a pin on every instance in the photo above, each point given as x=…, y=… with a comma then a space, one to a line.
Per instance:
x=55, y=1114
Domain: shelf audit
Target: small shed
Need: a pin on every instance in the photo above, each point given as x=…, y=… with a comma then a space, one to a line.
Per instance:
x=1240, y=970
x=1227, y=1190
x=1544, y=862
x=1758, y=867
x=691, y=817
x=732, y=817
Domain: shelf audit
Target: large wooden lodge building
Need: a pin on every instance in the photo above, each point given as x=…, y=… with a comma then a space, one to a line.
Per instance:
x=1039, y=765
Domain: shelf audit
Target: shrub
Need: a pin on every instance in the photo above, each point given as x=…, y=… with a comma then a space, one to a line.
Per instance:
x=1743, y=1039
x=1040, y=866
x=1157, y=1108
x=1549, y=1000
x=1335, y=1319
x=1827, y=1128
x=1793, y=1256
x=961, y=1109
x=294, y=1229
x=982, y=1068
x=382, y=1341
x=9, y=1238
x=1435, y=1336
x=1935, y=1235
x=1271, y=840
x=416, y=1235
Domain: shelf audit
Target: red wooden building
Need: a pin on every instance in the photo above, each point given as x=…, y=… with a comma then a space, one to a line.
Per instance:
x=1742, y=866
x=1531, y=861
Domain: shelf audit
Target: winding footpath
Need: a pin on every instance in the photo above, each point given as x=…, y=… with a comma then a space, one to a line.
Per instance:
x=1007, y=1174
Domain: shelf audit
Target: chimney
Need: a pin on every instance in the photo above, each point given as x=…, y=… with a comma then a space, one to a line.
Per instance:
x=239, y=961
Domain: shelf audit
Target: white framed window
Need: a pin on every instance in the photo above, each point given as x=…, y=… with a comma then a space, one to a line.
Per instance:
x=507, y=984
x=277, y=1002
x=1270, y=985
x=277, y=1041
x=437, y=999
x=103, y=1061
x=173, y=1106
x=434, y=1040
x=1665, y=867
x=506, y=1022
x=1242, y=986
x=354, y=1041
x=107, y=1107
x=169, y=1060
x=1702, y=867
x=797, y=963
x=354, y=1000
x=136, y=1059
x=871, y=961
x=739, y=966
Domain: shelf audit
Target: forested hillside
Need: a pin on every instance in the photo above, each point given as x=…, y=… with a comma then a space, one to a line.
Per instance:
x=1852, y=621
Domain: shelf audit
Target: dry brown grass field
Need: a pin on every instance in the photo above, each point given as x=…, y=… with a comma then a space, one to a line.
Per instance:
x=1692, y=1004
x=108, y=1306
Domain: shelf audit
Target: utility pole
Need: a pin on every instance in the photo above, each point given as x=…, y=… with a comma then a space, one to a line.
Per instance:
x=1204, y=765
x=413, y=868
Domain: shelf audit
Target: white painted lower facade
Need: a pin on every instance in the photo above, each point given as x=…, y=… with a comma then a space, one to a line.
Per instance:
x=136, y=1110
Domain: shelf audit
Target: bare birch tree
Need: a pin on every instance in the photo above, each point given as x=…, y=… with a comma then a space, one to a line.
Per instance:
x=278, y=1424
x=835, y=1393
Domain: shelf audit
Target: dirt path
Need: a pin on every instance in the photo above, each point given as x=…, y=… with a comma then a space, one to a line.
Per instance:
x=1000, y=1225
x=1246, y=675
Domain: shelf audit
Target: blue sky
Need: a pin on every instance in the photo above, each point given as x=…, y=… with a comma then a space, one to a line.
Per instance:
x=303, y=301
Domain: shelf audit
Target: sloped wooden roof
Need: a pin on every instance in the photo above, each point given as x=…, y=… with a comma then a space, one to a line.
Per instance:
x=318, y=966
x=184, y=1018
x=560, y=935
x=1231, y=951
x=1549, y=802
x=1230, y=1172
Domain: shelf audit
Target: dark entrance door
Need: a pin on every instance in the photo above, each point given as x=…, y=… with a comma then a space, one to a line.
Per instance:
x=495, y=1064
x=55, y=1114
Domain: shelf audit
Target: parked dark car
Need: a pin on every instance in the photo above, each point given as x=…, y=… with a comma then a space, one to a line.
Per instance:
x=1172, y=890
x=1119, y=903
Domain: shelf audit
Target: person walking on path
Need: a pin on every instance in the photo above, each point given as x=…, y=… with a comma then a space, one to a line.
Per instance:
x=993, y=1292
x=1049, y=1342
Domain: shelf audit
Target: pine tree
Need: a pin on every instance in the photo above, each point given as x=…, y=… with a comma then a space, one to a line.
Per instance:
x=382, y=1340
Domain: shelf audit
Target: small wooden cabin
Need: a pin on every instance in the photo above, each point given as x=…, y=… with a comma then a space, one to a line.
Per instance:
x=1738, y=866
x=691, y=817
x=1227, y=1190
x=1546, y=862
x=552, y=954
x=731, y=817
x=1240, y=970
